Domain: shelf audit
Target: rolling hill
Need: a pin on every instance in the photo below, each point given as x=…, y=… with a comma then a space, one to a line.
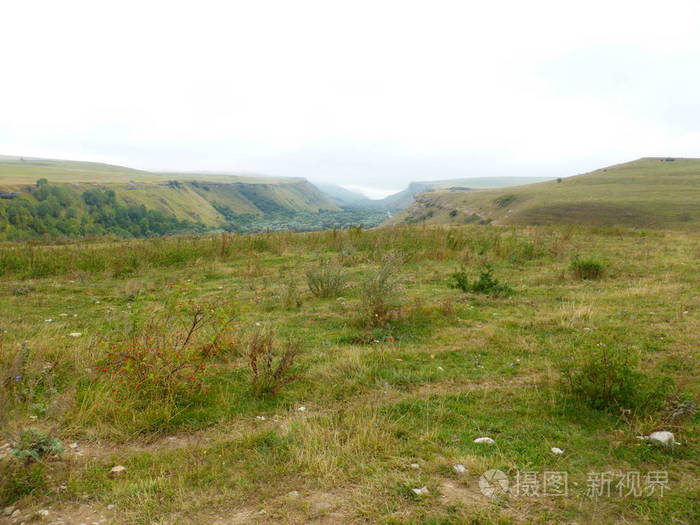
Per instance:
x=404, y=198
x=200, y=197
x=649, y=193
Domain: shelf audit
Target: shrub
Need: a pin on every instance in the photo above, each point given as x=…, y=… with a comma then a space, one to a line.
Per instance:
x=290, y=295
x=379, y=293
x=34, y=444
x=606, y=378
x=587, y=269
x=269, y=372
x=326, y=280
x=168, y=354
x=485, y=284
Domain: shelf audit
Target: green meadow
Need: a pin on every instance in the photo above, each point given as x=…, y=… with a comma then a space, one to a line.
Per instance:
x=322, y=377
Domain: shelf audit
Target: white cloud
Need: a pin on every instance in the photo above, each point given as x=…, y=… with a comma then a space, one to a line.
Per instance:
x=365, y=93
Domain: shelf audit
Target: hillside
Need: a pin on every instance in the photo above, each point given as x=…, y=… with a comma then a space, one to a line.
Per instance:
x=187, y=201
x=404, y=198
x=649, y=193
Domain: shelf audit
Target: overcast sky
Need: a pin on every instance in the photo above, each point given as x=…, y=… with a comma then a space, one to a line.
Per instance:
x=372, y=94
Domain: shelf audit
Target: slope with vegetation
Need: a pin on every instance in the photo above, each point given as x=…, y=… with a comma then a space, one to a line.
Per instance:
x=78, y=198
x=647, y=193
x=344, y=376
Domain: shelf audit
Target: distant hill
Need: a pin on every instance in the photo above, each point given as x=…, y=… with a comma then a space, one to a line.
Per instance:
x=343, y=197
x=403, y=199
x=205, y=198
x=649, y=193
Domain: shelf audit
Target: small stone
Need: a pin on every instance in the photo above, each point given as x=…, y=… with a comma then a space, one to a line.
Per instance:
x=117, y=471
x=43, y=512
x=8, y=511
x=663, y=438
x=293, y=494
x=415, y=466
x=75, y=334
x=423, y=491
x=484, y=441
x=63, y=315
x=260, y=418
x=557, y=451
x=301, y=409
x=459, y=469
x=73, y=445
x=441, y=369
x=15, y=514
x=48, y=320
x=111, y=506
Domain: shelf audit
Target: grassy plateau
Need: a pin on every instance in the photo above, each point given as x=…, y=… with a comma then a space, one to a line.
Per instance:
x=322, y=377
x=647, y=193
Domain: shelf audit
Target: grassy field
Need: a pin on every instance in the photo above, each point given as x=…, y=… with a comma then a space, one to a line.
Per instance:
x=648, y=193
x=232, y=393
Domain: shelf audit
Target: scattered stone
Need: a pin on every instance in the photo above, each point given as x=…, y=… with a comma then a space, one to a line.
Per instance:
x=43, y=512
x=441, y=369
x=260, y=418
x=557, y=451
x=63, y=315
x=15, y=514
x=111, y=506
x=75, y=334
x=663, y=438
x=414, y=466
x=73, y=445
x=301, y=409
x=293, y=494
x=48, y=320
x=459, y=469
x=484, y=441
x=8, y=511
x=423, y=491
x=117, y=471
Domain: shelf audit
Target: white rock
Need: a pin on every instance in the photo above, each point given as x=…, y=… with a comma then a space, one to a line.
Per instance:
x=301, y=409
x=484, y=441
x=63, y=315
x=117, y=471
x=48, y=320
x=293, y=494
x=459, y=469
x=111, y=506
x=414, y=466
x=15, y=514
x=423, y=491
x=75, y=334
x=43, y=512
x=663, y=438
x=557, y=451
x=260, y=418
x=73, y=445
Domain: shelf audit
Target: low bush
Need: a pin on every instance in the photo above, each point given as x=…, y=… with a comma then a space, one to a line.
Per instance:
x=326, y=280
x=485, y=284
x=34, y=444
x=606, y=378
x=587, y=269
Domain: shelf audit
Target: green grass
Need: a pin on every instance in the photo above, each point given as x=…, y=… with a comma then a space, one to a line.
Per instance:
x=646, y=193
x=442, y=368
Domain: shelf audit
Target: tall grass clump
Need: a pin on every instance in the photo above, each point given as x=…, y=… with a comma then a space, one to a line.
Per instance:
x=607, y=378
x=271, y=369
x=326, y=280
x=379, y=293
x=587, y=269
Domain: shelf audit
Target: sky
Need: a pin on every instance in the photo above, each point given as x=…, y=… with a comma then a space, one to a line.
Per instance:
x=367, y=94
